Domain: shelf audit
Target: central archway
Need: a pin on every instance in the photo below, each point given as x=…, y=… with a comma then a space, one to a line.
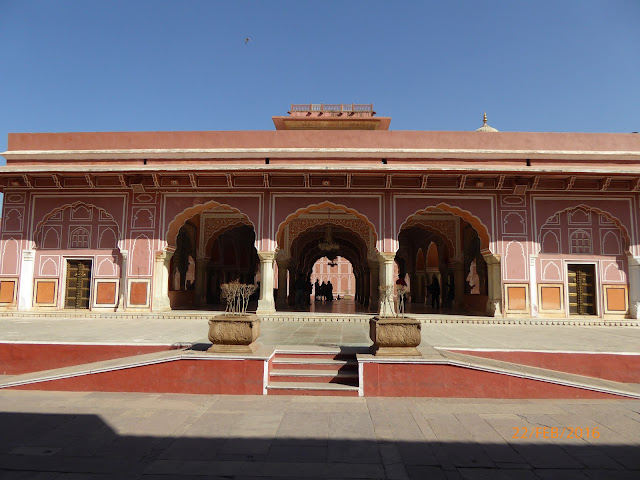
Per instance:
x=325, y=230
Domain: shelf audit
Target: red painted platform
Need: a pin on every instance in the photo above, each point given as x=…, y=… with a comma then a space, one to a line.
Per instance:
x=434, y=380
x=610, y=366
x=200, y=373
x=19, y=358
x=231, y=377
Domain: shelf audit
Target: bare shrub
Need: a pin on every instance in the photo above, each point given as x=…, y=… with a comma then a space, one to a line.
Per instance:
x=237, y=296
x=403, y=293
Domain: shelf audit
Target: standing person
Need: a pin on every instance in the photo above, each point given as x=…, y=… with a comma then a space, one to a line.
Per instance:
x=323, y=291
x=329, y=292
x=316, y=289
x=435, y=293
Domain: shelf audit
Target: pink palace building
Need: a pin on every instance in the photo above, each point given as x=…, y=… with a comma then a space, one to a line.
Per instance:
x=509, y=224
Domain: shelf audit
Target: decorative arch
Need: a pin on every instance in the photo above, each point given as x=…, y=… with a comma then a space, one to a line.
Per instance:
x=10, y=256
x=551, y=220
x=552, y=245
x=320, y=206
x=180, y=219
x=515, y=261
x=211, y=236
x=57, y=212
x=610, y=244
x=445, y=236
x=475, y=222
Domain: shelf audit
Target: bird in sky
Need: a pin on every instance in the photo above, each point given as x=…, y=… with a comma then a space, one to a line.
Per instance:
x=247, y=40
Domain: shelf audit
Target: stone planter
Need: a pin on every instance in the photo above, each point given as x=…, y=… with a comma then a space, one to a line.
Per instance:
x=234, y=333
x=395, y=337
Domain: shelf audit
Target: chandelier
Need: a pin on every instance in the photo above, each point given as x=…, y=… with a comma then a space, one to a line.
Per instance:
x=327, y=244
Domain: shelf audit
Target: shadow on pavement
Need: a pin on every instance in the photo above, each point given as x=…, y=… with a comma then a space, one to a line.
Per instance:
x=45, y=446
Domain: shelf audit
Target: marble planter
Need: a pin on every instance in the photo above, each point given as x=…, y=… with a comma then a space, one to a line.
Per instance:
x=395, y=337
x=234, y=333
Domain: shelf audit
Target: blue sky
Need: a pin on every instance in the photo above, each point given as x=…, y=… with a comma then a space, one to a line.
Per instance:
x=571, y=65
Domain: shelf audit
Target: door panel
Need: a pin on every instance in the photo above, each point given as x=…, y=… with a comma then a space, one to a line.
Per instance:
x=582, y=290
x=78, y=286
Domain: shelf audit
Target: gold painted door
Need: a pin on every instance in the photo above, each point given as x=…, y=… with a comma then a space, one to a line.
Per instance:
x=78, y=287
x=582, y=290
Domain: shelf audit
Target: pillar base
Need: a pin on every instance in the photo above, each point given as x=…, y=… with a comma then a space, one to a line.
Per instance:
x=162, y=305
x=265, y=307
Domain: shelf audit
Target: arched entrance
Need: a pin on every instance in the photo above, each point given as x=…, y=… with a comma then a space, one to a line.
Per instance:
x=442, y=252
x=79, y=261
x=584, y=265
x=326, y=231
x=208, y=245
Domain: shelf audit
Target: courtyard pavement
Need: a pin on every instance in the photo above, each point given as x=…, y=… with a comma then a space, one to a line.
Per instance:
x=93, y=435
x=88, y=435
x=169, y=331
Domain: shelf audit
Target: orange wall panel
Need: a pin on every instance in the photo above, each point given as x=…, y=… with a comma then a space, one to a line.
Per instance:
x=7, y=289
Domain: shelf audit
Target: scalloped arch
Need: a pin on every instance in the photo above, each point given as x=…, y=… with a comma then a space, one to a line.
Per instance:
x=614, y=219
x=318, y=206
x=475, y=222
x=208, y=243
x=187, y=213
x=38, y=230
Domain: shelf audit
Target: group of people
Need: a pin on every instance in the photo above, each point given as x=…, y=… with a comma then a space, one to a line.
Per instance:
x=303, y=290
x=323, y=291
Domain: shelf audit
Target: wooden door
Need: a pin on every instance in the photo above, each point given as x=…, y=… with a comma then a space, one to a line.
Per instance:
x=78, y=287
x=582, y=289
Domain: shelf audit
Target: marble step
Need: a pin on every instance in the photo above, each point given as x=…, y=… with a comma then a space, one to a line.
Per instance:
x=311, y=388
x=315, y=376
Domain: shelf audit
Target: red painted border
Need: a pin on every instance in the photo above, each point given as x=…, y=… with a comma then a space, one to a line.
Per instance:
x=619, y=368
x=231, y=377
x=429, y=380
x=19, y=358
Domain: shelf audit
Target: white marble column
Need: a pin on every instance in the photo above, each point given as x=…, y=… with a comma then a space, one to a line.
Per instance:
x=266, y=303
x=634, y=287
x=25, y=287
x=386, y=279
x=494, y=302
x=283, y=266
x=161, y=282
x=533, y=285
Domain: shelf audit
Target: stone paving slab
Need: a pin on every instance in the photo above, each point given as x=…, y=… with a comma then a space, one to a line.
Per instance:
x=77, y=435
x=170, y=331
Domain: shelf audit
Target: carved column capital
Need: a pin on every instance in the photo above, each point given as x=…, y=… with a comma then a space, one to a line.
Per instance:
x=387, y=257
x=491, y=258
x=267, y=256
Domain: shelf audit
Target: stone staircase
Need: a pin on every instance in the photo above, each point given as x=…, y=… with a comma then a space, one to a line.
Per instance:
x=313, y=373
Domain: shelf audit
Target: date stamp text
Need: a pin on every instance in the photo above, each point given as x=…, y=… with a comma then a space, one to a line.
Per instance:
x=555, y=432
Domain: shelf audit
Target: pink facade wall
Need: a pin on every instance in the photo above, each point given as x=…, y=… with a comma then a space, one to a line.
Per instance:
x=520, y=229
